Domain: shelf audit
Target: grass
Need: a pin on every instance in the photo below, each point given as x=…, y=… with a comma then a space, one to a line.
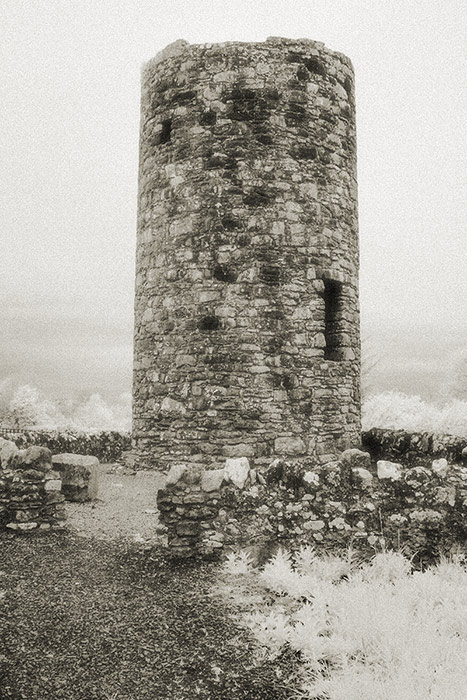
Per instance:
x=361, y=631
x=91, y=620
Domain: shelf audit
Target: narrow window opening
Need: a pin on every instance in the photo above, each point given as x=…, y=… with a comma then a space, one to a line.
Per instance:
x=332, y=317
x=166, y=131
x=209, y=323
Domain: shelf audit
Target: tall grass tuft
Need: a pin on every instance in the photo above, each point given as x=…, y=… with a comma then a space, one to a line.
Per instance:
x=368, y=631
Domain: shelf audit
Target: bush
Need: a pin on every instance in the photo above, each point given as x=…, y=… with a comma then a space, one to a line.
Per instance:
x=394, y=410
x=365, y=631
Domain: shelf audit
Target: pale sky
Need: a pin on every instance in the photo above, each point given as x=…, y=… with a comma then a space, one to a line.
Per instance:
x=69, y=95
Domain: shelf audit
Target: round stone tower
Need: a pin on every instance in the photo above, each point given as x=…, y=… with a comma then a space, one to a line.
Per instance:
x=246, y=313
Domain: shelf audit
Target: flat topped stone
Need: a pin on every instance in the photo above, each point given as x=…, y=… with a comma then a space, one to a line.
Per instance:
x=8, y=453
x=79, y=474
x=237, y=470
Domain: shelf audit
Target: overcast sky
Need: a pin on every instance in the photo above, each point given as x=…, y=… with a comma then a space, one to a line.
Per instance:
x=69, y=96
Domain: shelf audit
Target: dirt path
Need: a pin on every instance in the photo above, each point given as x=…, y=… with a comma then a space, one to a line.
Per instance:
x=125, y=508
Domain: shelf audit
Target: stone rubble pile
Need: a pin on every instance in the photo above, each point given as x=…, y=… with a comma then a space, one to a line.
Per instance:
x=30, y=489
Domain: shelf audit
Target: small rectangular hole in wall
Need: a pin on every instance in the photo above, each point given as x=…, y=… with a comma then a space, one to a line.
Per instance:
x=332, y=317
x=166, y=131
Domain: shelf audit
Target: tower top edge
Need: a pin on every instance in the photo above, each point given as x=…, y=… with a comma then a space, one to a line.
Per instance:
x=181, y=46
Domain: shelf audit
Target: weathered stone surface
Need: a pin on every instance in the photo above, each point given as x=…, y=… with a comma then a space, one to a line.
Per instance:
x=187, y=529
x=240, y=450
x=196, y=497
x=237, y=470
x=171, y=406
x=311, y=478
x=8, y=453
x=343, y=507
x=175, y=474
x=356, y=458
x=388, y=470
x=440, y=466
x=79, y=475
x=246, y=310
x=289, y=446
x=363, y=475
x=53, y=485
x=409, y=448
x=212, y=479
x=39, y=458
x=193, y=474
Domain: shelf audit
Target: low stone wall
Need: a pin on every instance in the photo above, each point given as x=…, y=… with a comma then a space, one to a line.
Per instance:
x=348, y=502
x=411, y=448
x=30, y=490
x=107, y=446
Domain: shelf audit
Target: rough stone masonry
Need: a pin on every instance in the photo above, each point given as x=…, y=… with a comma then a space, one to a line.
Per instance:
x=246, y=313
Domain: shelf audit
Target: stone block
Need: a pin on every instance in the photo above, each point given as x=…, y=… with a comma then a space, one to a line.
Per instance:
x=314, y=525
x=79, y=475
x=194, y=498
x=172, y=407
x=242, y=449
x=8, y=453
x=311, y=478
x=187, y=529
x=363, y=475
x=38, y=458
x=212, y=479
x=54, y=485
x=389, y=470
x=356, y=458
x=440, y=466
x=289, y=446
x=175, y=474
x=237, y=470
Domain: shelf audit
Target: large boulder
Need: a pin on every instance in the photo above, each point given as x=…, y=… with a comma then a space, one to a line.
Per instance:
x=79, y=474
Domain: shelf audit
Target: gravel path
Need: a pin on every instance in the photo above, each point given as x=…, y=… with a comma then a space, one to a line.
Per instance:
x=84, y=619
x=125, y=508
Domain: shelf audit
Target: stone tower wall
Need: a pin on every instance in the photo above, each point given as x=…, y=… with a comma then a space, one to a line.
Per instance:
x=246, y=312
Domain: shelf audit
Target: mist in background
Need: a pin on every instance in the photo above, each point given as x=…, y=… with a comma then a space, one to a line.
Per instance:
x=70, y=94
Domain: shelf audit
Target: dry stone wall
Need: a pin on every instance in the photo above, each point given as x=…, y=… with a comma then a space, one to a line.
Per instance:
x=107, y=446
x=413, y=448
x=352, y=501
x=246, y=311
x=30, y=490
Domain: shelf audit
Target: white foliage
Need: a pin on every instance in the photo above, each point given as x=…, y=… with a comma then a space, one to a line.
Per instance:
x=394, y=410
x=26, y=408
x=237, y=563
x=382, y=632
